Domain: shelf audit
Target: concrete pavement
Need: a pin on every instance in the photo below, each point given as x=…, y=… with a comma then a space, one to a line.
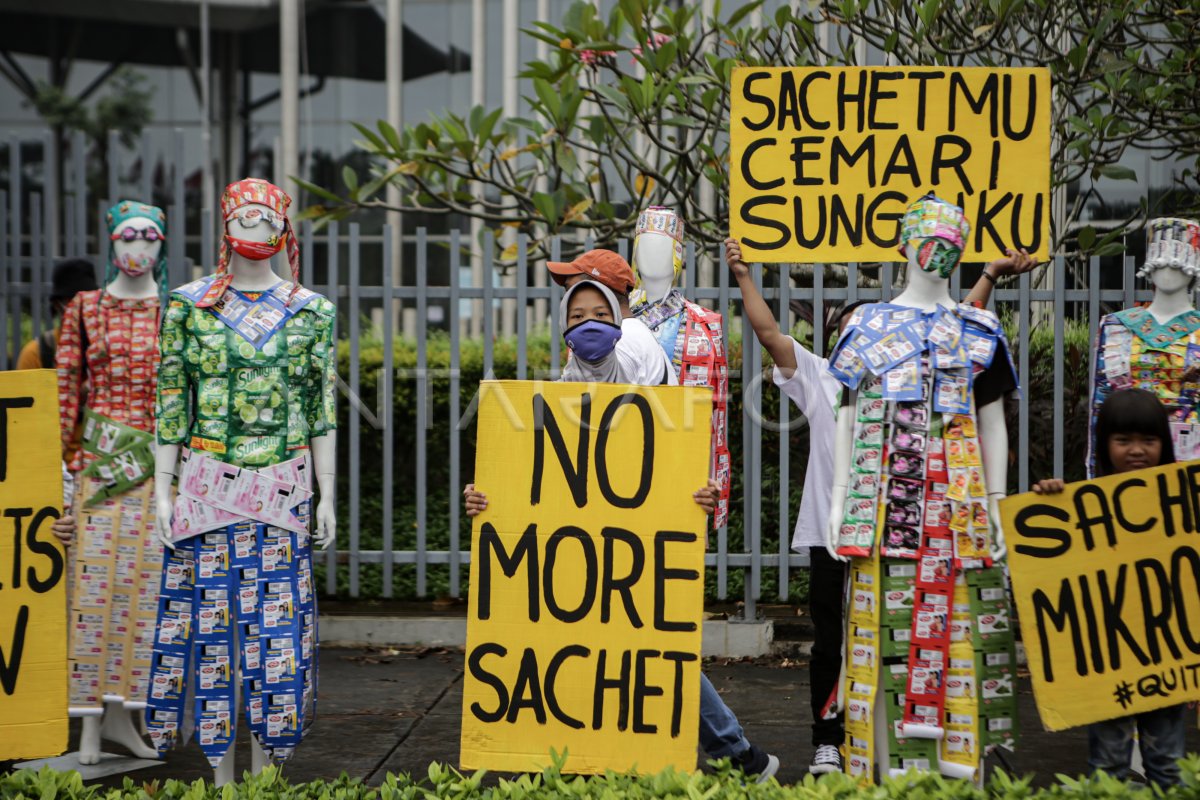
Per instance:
x=396, y=710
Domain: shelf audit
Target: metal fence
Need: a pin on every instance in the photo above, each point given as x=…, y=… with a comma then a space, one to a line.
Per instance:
x=40, y=226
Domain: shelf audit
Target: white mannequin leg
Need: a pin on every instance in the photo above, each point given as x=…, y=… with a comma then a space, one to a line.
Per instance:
x=223, y=774
x=89, y=740
x=118, y=727
x=258, y=756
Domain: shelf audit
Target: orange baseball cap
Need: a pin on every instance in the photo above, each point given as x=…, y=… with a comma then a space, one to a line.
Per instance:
x=605, y=266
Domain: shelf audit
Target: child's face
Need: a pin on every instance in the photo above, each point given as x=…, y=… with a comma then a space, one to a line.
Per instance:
x=588, y=304
x=1130, y=451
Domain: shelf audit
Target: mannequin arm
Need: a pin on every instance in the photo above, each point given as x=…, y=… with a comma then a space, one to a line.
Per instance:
x=993, y=440
x=842, y=446
x=324, y=451
x=166, y=460
x=69, y=360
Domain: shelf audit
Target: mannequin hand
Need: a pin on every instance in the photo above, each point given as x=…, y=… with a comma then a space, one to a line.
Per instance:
x=999, y=548
x=1014, y=262
x=733, y=257
x=164, y=508
x=326, y=532
x=64, y=529
x=476, y=501
x=835, y=516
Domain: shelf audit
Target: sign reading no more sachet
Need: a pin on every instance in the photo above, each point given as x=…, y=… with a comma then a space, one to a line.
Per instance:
x=1106, y=577
x=583, y=633
x=824, y=160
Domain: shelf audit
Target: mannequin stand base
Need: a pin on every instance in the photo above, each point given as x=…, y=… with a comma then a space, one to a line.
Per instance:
x=107, y=764
x=117, y=726
x=224, y=773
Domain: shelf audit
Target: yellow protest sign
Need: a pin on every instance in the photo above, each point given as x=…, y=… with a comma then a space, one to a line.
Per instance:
x=583, y=633
x=824, y=160
x=33, y=616
x=1106, y=577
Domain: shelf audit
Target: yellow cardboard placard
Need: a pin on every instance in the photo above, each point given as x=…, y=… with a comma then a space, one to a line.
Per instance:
x=1106, y=577
x=33, y=592
x=586, y=601
x=824, y=160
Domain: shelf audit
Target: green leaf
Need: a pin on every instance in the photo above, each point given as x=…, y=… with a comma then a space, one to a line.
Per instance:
x=549, y=98
x=741, y=13
x=1117, y=172
x=324, y=194
x=1087, y=237
x=350, y=178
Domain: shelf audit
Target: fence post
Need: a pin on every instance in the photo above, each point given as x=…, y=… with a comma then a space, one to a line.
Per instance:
x=386, y=383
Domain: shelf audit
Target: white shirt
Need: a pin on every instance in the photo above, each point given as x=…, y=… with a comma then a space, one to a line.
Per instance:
x=642, y=357
x=817, y=394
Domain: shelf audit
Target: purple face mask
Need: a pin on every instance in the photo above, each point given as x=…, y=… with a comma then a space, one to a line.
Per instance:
x=592, y=339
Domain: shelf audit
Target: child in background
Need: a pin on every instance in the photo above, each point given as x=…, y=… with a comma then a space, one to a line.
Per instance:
x=1132, y=433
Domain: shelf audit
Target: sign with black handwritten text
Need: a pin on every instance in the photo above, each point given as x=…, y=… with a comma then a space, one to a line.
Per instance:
x=583, y=633
x=33, y=613
x=1106, y=577
x=824, y=160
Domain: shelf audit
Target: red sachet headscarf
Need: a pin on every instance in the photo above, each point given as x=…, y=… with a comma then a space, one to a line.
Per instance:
x=244, y=193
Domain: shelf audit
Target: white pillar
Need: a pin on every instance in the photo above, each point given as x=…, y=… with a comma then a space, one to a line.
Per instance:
x=540, y=275
x=207, y=191
x=395, y=115
x=512, y=98
x=478, y=98
x=289, y=93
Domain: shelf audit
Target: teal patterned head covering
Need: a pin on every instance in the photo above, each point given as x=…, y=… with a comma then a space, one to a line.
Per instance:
x=129, y=209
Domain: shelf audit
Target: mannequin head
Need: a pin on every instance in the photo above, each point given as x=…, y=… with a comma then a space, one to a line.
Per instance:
x=657, y=251
x=1172, y=255
x=254, y=215
x=932, y=236
x=137, y=239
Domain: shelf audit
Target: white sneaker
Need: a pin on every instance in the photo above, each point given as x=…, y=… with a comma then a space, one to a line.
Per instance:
x=828, y=758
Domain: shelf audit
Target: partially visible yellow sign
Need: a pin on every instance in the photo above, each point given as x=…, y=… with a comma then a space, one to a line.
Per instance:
x=583, y=633
x=1106, y=577
x=824, y=160
x=33, y=594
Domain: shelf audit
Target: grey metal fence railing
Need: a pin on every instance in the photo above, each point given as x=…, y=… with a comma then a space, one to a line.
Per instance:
x=42, y=225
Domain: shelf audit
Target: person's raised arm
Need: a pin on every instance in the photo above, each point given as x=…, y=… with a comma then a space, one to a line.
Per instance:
x=778, y=344
x=1014, y=262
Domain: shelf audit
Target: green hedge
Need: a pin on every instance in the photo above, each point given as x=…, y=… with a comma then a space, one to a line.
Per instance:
x=440, y=493
x=721, y=782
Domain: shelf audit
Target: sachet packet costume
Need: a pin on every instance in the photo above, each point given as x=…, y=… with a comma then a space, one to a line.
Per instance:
x=247, y=379
x=1134, y=350
x=692, y=338
x=107, y=363
x=929, y=624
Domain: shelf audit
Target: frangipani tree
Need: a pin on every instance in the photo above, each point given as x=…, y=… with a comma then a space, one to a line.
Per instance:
x=632, y=108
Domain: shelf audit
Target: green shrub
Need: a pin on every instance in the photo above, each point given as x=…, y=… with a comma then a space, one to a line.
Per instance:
x=439, y=492
x=719, y=782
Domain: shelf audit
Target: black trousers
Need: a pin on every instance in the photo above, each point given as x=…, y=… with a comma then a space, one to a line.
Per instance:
x=826, y=604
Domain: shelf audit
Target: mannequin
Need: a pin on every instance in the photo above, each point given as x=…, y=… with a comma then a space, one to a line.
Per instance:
x=690, y=335
x=107, y=361
x=1162, y=340
x=920, y=464
x=257, y=354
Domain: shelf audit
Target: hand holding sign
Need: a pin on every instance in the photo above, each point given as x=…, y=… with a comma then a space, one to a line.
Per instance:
x=1106, y=579
x=583, y=634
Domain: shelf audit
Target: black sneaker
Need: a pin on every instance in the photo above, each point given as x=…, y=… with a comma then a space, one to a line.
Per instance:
x=757, y=763
x=828, y=758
